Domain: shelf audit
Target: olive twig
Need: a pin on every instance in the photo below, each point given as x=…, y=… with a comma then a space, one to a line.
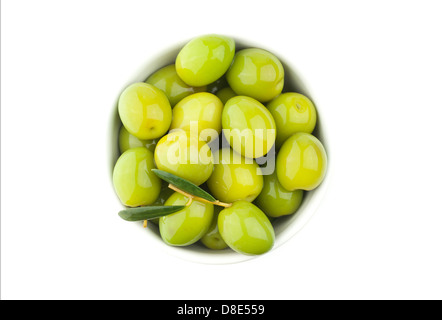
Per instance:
x=192, y=198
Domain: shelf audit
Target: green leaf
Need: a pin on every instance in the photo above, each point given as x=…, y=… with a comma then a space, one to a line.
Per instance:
x=184, y=185
x=148, y=213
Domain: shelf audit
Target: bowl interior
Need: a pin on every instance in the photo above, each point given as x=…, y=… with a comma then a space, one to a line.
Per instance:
x=285, y=227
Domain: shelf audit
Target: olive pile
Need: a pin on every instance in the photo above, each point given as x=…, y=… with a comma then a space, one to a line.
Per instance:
x=207, y=121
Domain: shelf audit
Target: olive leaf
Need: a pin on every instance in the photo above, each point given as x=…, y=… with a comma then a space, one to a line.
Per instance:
x=184, y=185
x=147, y=213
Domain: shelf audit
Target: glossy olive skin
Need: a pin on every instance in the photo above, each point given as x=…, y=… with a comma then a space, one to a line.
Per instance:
x=293, y=112
x=144, y=111
x=212, y=239
x=167, y=80
x=234, y=177
x=248, y=126
x=256, y=73
x=301, y=162
x=127, y=141
x=246, y=229
x=184, y=155
x=134, y=182
x=275, y=201
x=225, y=94
x=205, y=59
x=202, y=109
x=186, y=226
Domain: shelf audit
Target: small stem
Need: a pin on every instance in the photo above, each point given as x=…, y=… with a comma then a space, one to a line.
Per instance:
x=184, y=193
x=192, y=197
x=145, y=224
x=222, y=204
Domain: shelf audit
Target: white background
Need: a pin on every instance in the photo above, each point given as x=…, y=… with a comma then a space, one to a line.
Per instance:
x=375, y=66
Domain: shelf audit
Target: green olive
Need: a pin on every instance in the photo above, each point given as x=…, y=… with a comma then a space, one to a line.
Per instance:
x=127, y=141
x=184, y=155
x=246, y=229
x=248, y=126
x=200, y=111
x=186, y=226
x=275, y=201
x=225, y=94
x=134, y=182
x=212, y=239
x=301, y=162
x=256, y=73
x=167, y=80
x=293, y=112
x=145, y=111
x=205, y=59
x=234, y=177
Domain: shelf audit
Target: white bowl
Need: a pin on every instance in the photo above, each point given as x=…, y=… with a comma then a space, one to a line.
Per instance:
x=285, y=227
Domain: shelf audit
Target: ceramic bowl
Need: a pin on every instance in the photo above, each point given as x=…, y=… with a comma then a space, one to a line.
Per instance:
x=285, y=227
